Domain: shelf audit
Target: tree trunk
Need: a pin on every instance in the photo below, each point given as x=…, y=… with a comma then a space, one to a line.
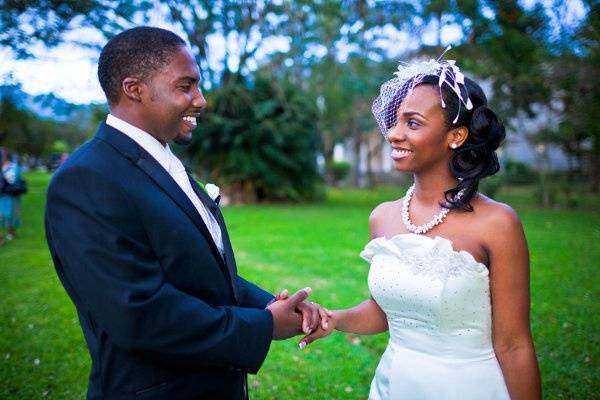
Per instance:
x=356, y=164
x=595, y=170
x=328, y=156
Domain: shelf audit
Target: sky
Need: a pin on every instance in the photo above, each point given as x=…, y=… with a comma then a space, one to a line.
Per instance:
x=69, y=71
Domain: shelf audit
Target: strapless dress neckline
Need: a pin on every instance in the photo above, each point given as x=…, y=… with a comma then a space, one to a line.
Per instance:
x=410, y=237
x=424, y=254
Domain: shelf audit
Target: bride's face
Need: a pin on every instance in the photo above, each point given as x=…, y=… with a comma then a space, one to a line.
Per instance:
x=420, y=139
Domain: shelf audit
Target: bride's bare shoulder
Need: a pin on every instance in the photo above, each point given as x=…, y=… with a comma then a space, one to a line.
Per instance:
x=383, y=211
x=494, y=215
x=385, y=208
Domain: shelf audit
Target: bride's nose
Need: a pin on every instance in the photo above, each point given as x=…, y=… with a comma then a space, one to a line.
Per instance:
x=396, y=133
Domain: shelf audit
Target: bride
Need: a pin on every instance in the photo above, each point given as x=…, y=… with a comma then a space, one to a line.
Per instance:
x=449, y=273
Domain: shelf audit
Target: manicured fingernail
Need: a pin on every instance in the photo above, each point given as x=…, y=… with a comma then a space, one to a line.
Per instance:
x=302, y=345
x=307, y=290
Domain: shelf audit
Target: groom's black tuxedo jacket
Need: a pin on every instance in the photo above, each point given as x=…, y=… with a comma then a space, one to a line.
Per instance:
x=163, y=314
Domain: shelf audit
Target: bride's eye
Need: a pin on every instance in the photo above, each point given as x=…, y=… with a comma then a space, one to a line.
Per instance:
x=413, y=124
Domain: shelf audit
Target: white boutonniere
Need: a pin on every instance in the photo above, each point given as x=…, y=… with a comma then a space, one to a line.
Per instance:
x=213, y=192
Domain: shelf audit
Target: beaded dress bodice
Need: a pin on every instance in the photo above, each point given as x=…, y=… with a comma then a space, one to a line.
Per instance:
x=437, y=303
x=440, y=295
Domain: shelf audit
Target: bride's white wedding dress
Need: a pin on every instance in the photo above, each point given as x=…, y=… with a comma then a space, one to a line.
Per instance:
x=437, y=302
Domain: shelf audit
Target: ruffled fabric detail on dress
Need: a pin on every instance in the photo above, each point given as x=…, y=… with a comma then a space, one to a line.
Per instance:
x=435, y=256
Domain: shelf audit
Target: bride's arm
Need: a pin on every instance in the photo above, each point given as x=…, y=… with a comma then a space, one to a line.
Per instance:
x=367, y=318
x=509, y=283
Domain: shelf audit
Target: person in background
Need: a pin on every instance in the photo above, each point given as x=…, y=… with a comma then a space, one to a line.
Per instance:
x=2, y=183
x=10, y=205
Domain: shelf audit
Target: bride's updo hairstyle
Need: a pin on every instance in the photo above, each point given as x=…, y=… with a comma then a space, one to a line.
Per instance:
x=476, y=158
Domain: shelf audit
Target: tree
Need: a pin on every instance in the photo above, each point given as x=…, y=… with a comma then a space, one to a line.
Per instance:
x=576, y=82
x=260, y=141
x=21, y=131
x=241, y=25
x=337, y=57
x=25, y=132
x=507, y=44
x=27, y=22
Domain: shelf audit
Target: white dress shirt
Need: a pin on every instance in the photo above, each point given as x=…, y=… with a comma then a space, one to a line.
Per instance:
x=174, y=167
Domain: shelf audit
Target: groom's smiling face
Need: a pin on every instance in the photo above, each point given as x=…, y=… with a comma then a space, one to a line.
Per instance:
x=173, y=99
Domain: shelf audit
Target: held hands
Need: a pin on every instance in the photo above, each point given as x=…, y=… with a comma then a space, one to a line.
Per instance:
x=294, y=315
x=321, y=332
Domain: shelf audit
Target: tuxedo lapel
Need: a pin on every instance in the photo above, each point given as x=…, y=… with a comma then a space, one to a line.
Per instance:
x=157, y=173
x=202, y=195
x=214, y=209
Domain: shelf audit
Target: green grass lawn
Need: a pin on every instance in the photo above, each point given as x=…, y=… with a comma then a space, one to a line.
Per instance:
x=43, y=354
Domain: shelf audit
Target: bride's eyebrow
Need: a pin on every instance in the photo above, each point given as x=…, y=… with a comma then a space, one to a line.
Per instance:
x=408, y=114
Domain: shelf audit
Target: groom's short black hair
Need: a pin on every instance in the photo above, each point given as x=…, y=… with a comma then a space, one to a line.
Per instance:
x=138, y=52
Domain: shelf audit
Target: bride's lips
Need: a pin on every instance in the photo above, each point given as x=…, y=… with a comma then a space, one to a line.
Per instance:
x=400, y=153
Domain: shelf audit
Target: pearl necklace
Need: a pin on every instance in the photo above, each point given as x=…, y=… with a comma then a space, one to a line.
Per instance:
x=437, y=219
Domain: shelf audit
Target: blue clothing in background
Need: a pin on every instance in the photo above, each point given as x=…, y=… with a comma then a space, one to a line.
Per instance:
x=10, y=206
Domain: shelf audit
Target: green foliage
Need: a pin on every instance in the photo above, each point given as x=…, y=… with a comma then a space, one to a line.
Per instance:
x=59, y=146
x=506, y=42
x=27, y=22
x=24, y=132
x=539, y=59
x=578, y=79
x=341, y=170
x=518, y=173
x=260, y=142
x=491, y=185
x=317, y=245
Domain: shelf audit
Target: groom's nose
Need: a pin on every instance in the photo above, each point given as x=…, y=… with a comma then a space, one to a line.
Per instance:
x=199, y=101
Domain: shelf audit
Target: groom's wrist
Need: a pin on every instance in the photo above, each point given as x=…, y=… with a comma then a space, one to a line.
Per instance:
x=273, y=300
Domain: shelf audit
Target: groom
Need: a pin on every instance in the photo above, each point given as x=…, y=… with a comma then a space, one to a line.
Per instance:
x=144, y=253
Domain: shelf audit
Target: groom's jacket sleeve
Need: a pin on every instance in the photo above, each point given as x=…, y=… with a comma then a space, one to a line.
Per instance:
x=251, y=295
x=103, y=261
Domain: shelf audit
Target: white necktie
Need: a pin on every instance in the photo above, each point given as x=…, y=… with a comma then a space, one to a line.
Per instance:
x=180, y=175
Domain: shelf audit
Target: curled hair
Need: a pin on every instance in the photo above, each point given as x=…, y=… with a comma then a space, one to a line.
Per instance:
x=138, y=52
x=476, y=158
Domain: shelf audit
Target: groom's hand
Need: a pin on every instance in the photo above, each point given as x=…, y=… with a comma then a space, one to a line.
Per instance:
x=286, y=321
x=313, y=314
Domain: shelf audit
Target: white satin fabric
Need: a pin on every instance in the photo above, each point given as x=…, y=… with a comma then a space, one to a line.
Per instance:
x=437, y=302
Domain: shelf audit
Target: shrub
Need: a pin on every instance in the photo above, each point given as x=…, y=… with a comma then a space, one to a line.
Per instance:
x=519, y=173
x=491, y=185
x=341, y=170
x=260, y=142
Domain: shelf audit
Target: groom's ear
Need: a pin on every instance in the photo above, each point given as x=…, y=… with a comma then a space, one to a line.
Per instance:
x=132, y=88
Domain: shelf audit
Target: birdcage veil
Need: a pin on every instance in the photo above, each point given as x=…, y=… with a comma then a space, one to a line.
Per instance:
x=393, y=92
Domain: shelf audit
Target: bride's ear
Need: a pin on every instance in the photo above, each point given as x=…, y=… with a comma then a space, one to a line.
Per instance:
x=457, y=136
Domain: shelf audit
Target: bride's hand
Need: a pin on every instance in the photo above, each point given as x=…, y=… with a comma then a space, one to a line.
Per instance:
x=322, y=331
x=313, y=315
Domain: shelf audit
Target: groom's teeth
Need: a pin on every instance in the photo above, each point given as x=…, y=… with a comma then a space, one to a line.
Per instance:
x=190, y=119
